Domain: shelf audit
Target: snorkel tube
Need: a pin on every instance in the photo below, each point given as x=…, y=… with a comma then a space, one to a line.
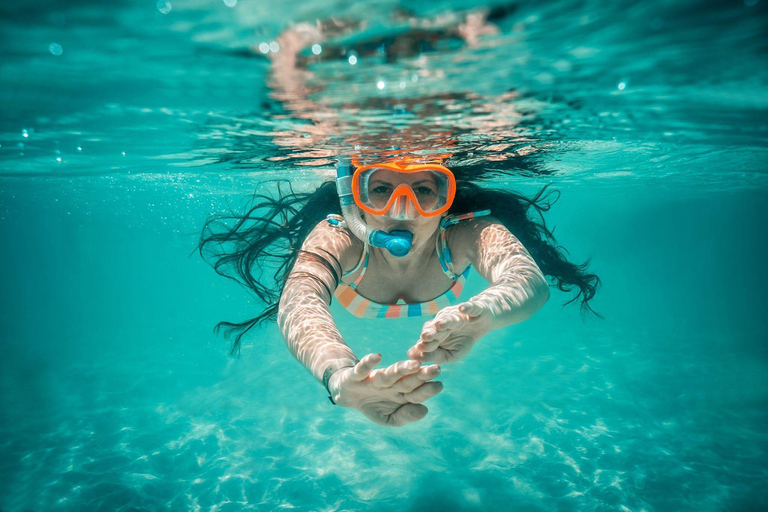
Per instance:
x=397, y=242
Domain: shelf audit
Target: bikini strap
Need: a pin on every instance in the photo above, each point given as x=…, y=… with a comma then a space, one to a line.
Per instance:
x=441, y=244
x=337, y=221
x=364, y=261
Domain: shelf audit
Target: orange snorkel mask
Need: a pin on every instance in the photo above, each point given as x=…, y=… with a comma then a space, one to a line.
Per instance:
x=428, y=189
x=403, y=190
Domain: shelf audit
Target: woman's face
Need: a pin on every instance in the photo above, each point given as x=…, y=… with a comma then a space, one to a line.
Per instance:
x=402, y=213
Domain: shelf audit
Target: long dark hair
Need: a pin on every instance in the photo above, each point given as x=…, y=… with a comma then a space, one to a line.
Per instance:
x=268, y=237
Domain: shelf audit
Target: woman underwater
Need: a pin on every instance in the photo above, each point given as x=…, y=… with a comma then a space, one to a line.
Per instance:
x=408, y=234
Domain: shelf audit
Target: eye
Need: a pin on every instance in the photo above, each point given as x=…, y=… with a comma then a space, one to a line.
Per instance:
x=381, y=189
x=424, y=191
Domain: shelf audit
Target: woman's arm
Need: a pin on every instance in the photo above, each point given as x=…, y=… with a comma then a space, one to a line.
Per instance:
x=304, y=316
x=518, y=289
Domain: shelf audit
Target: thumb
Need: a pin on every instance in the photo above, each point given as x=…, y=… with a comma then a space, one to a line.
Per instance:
x=471, y=308
x=408, y=413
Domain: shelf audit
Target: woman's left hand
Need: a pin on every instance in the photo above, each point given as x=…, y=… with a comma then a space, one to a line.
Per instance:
x=452, y=333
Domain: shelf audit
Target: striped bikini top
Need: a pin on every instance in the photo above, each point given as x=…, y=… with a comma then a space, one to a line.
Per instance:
x=347, y=294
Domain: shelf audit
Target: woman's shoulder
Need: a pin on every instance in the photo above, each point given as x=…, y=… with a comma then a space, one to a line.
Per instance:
x=336, y=240
x=463, y=238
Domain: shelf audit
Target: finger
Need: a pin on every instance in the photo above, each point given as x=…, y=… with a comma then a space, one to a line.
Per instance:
x=430, y=345
x=423, y=392
x=418, y=351
x=449, y=321
x=428, y=333
x=471, y=308
x=407, y=413
x=364, y=367
x=411, y=382
x=435, y=335
x=387, y=377
x=422, y=347
x=415, y=354
x=438, y=356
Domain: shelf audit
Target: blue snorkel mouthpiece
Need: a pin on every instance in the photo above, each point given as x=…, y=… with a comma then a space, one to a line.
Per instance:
x=397, y=242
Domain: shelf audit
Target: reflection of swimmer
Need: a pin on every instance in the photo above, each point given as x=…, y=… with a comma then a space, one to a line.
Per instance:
x=393, y=239
x=339, y=109
x=408, y=36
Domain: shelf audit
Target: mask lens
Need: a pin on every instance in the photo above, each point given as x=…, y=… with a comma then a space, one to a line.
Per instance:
x=426, y=188
x=378, y=187
x=430, y=188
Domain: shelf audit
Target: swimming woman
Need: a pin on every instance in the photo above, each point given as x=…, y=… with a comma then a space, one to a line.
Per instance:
x=405, y=241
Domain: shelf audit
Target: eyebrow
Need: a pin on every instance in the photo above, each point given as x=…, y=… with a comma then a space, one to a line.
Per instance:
x=432, y=182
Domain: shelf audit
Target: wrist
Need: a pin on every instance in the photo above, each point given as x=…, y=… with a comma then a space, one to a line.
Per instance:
x=331, y=376
x=333, y=383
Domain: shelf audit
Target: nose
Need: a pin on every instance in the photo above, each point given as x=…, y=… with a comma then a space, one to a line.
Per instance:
x=403, y=209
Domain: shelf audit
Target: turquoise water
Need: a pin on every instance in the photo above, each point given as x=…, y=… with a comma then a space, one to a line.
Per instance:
x=126, y=125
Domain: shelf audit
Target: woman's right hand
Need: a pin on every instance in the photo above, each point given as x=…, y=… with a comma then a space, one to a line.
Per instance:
x=390, y=396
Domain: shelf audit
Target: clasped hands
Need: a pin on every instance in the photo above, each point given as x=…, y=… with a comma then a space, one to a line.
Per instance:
x=394, y=395
x=453, y=332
